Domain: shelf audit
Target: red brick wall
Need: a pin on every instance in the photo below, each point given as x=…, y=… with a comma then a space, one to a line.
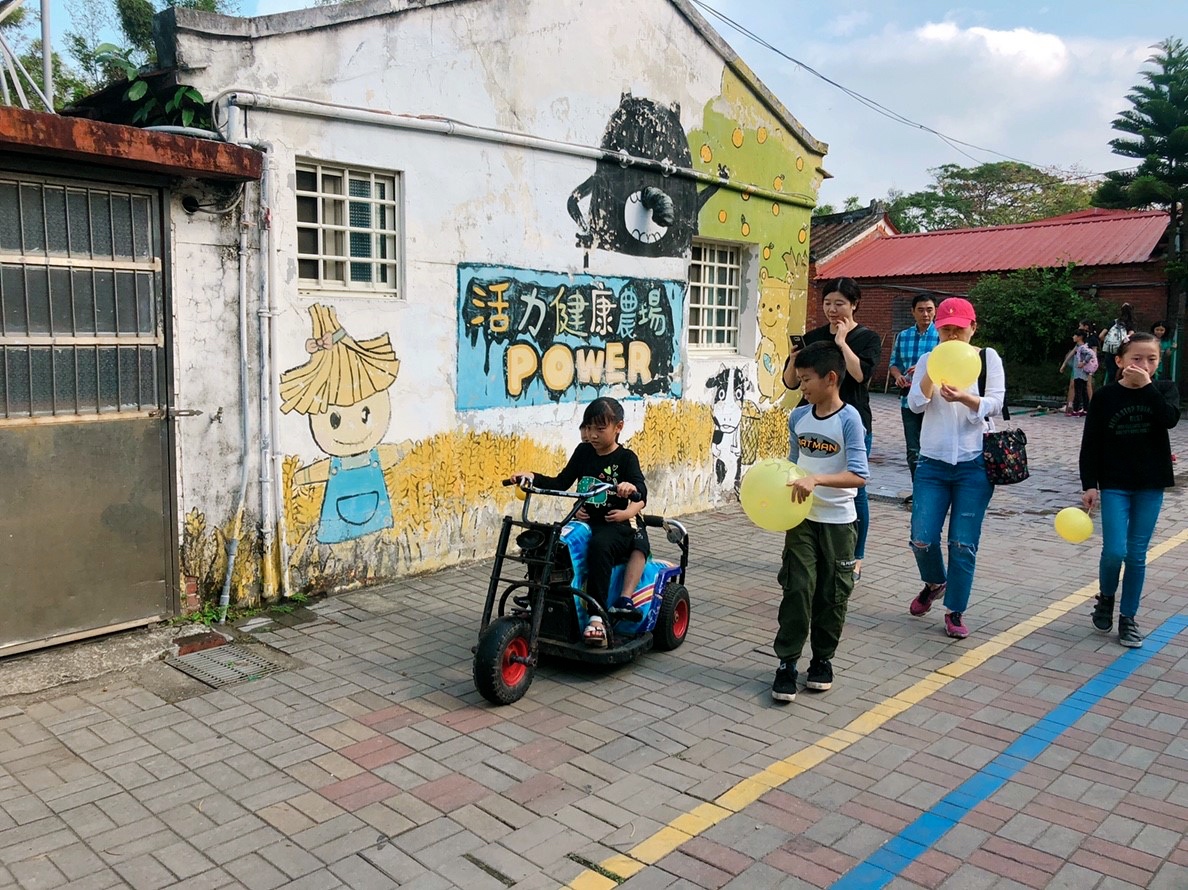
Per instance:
x=886, y=303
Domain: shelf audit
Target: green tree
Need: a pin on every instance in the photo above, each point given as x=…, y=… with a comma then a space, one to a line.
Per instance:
x=1028, y=316
x=996, y=194
x=852, y=202
x=1155, y=132
x=22, y=30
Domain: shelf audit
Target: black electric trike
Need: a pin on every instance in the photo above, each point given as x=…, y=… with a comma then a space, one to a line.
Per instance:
x=545, y=611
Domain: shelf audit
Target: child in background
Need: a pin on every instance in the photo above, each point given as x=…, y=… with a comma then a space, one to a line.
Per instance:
x=817, y=569
x=614, y=536
x=1125, y=466
x=1082, y=362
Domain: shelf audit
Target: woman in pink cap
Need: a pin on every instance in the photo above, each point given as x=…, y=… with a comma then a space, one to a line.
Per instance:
x=951, y=474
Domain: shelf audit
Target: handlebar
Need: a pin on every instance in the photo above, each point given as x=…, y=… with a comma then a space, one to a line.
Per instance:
x=597, y=489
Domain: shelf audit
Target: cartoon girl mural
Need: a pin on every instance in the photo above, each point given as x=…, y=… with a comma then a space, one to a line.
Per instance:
x=343, y=389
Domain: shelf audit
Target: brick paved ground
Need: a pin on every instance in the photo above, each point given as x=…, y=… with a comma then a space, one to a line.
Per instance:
x=373, y=763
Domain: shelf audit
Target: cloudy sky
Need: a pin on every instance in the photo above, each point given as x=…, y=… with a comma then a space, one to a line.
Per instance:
x=1040, y=82
x=1037, y=81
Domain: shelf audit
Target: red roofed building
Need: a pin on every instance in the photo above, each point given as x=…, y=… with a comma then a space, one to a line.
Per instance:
x=1121, y=253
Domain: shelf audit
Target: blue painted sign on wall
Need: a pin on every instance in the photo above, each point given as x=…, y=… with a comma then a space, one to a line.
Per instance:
x=527, y=337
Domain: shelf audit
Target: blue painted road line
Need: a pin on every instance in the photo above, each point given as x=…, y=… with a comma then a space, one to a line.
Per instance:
x=886, y=863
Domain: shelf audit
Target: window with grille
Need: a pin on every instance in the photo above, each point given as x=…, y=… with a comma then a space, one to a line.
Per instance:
x=347, y=230
x=80, y=291
x=715, y=286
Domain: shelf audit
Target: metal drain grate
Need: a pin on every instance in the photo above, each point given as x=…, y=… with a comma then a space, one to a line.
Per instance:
x=224, y=665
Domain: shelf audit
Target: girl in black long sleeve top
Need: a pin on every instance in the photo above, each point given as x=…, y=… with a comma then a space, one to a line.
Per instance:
x=1125, y=465
x=614, y=536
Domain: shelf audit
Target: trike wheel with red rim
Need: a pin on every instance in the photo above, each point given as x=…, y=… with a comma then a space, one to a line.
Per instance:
x=501, y=669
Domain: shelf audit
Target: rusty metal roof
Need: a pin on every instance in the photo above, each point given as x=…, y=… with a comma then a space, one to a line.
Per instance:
x=1092, y=237
x=114, y=145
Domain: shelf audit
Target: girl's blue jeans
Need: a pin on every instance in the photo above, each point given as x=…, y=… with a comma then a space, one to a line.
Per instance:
x=1127, y=523
x=961, y=492
x=862, y=507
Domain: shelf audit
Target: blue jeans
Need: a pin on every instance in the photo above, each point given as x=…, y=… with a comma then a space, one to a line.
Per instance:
x=912, y=424
x=961, y=492
x=862, y=506
x=1127, y=523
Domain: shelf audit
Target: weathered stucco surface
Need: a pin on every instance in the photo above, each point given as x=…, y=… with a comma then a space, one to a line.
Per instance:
x=580, y=72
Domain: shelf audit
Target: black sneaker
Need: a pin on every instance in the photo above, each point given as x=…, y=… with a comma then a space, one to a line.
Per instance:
x=1128, y=633
x=784, y=686
x=1103, y=613
x=819, y=676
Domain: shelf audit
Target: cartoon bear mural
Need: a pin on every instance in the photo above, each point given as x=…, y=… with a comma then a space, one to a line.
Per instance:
x=637, y=211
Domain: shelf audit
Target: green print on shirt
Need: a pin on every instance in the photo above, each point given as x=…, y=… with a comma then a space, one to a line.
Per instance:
x=1133, y=420
x=588, y=482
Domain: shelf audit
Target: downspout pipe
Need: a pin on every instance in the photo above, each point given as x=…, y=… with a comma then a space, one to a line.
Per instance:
x=237, y=525
x=272, y=492
x=267, y=504
x=249, y=99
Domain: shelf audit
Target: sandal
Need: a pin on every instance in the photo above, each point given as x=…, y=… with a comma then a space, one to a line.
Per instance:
x=595, y=634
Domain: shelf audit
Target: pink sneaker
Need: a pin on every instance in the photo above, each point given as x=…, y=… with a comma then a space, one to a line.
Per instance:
x=954, y=626
x=923, y=601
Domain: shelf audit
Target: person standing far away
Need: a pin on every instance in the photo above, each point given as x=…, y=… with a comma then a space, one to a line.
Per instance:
x=1167, y=345
x=1112, y=339
x=861, y=348
x=951, y=475
x=1126, y=463
x=910, y=344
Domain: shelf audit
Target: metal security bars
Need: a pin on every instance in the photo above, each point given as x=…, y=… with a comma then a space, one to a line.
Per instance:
x=347, y=229
x=715, y=283
x=80, y=287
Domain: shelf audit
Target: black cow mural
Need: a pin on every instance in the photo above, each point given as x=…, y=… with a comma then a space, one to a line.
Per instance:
x=730, y=386
x=637, y=211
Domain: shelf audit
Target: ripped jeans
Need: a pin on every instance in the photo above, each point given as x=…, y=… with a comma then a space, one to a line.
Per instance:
x=962, y=492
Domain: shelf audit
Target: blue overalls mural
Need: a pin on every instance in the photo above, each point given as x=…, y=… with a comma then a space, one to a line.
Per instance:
x=343, y=389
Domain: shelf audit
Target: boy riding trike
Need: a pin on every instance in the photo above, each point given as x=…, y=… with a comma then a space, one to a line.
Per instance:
x=545, y=611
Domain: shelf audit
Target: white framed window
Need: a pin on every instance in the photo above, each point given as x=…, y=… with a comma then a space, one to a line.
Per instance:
x=715, y=296
x=348, y=231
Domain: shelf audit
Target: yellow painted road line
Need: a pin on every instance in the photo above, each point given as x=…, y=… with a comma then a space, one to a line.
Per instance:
x=687, y=826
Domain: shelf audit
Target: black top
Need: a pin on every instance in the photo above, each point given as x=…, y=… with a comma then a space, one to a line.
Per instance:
x=868, y=346
x=586, y=466
x=1125, y=443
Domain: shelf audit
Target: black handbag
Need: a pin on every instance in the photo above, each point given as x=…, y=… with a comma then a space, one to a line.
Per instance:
x=1004, y=451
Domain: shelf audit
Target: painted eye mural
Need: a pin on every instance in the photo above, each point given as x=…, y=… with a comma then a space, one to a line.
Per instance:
x=640, y=212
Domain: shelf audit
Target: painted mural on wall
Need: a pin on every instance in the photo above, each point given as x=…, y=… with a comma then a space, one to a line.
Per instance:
x=343, y=390
x=640, y=212
x=527, y=337
x=729, y=388
x=742, y=134
x=448, y=488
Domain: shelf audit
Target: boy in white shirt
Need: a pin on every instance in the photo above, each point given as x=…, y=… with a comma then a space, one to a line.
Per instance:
x=817, y=570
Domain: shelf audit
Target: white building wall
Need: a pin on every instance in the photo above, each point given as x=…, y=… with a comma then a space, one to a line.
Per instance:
x=553, y=70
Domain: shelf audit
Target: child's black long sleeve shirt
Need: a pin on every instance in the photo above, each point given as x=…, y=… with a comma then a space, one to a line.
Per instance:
x=1125, y=443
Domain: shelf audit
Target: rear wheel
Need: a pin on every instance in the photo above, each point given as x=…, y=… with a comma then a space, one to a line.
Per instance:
x=500, y=672
x=673, y=623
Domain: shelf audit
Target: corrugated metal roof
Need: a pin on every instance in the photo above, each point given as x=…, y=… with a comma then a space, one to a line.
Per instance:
x=1087, y=238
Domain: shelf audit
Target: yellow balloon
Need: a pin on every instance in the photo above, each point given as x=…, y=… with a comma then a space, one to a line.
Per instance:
x=767, y=499
x=1074, y=525
x=954, y=362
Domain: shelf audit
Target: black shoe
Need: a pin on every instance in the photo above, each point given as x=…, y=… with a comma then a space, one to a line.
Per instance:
x=784, y=686
x=819, y=676
x=1103, y=613
x=1128, y=633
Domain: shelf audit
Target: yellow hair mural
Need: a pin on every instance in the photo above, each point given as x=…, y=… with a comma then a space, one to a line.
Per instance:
x=340, y=371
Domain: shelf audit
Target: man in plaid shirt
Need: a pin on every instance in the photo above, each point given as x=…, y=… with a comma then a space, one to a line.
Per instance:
x=910, y=344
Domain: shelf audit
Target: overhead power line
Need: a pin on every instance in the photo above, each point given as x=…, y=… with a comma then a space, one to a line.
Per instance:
x=952, y=141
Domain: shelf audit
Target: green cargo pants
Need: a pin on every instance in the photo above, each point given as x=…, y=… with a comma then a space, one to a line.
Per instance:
x=817, y=576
